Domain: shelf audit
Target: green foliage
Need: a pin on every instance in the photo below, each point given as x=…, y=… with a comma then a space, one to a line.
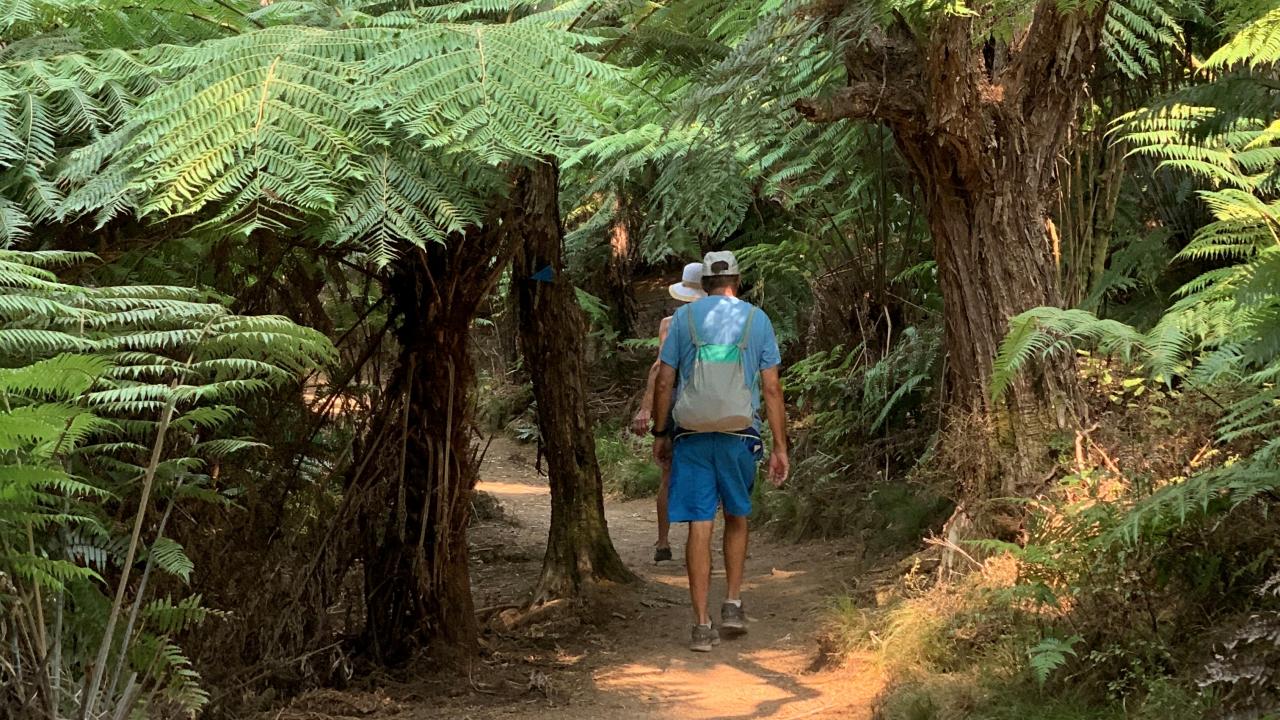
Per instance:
x=1137, y=30
x=1150, y=556
x=829, y=497
x=417, y=198
x=1221, y=332
x=379, y=127
x=112, y=396
x=626, y=463
x=597, y=314
x=503, y=404
x=1224, y=328
x=496, y=90
x=861, y=421
x=1256, y=46
x=1156, y=573
x=134, y=24
x=706, y=147
x=1040, y=332
x=846, y=397
x=1050, y=654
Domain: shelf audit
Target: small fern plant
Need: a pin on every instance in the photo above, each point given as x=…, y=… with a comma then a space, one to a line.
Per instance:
x=114, y=404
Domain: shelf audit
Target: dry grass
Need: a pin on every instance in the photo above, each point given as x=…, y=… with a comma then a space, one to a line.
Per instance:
x=1135, y=610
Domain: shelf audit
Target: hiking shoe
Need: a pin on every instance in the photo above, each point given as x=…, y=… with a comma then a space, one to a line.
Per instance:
x=661, y=554
x=704, y=638
x=733, y=619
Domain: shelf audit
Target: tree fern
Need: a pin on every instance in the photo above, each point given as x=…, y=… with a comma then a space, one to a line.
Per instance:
x=407, y=200
x=101, y=24
x=104, y=390
x=170, y=557
x=264, y=124
x=270, y=117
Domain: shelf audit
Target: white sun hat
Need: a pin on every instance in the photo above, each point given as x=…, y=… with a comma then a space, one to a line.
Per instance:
x=690, y=286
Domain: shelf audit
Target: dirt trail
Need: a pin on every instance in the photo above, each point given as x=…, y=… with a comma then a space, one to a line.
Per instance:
x=625, y=654
x=645, y=670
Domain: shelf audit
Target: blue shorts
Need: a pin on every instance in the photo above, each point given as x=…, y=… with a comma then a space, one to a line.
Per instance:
x=710, y=469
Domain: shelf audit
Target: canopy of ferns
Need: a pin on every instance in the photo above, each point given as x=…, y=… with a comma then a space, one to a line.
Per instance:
x=257, y=146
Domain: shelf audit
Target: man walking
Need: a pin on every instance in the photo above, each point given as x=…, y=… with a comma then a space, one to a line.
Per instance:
x=721, y=353
x=686, y=291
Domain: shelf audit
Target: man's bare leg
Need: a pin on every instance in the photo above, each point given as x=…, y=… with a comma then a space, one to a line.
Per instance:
x=735, y=554
x=664, y=523
x=697, y=559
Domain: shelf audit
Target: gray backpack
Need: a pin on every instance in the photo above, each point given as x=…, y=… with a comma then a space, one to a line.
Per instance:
x=715, y=398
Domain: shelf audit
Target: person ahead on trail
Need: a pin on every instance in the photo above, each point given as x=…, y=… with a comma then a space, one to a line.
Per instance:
x=720, y=353
x=687, y=290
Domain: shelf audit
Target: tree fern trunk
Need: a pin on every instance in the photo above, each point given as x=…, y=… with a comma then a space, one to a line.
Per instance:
x=624, y=256
x=987, y=161
x=995, y=261
x=418, y=470
x=981, y=124
x=551, y=331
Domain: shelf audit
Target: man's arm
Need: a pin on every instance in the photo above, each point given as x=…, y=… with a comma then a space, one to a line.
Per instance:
x=779, y=462
x=640, y=423
x=663, y=390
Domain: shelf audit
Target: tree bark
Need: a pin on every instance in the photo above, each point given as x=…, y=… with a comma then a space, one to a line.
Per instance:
x=416, y=472
x=995, y=259
x=551, y=332
x=981, y=127
x=1092, y=173
x=624, y=256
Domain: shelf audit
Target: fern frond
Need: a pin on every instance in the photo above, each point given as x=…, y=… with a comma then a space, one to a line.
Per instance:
x=62, y=377
x=169, y=556
x=495, y=90
x=165, y=617
x=1255, y=46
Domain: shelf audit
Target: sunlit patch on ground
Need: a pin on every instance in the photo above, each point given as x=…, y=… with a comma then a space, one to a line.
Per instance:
x=726, y=684
x=510, y=488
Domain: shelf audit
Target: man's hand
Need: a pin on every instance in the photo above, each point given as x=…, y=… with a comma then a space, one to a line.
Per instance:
x=662, y=452
x=640, y=423
x=779, y=467
x=779, y=463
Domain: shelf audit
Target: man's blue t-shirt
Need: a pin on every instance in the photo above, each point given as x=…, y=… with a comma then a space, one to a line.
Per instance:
x=720, y=320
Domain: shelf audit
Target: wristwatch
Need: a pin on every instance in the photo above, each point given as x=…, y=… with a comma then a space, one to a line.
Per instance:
x=664, y=432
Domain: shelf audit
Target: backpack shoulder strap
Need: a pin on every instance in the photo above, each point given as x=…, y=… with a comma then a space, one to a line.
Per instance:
x=693, y=326
x=746, y=329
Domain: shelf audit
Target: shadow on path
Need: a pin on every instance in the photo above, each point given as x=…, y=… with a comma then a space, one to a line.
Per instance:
x=641, y=667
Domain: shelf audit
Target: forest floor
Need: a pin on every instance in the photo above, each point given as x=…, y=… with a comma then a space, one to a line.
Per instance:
x=624, y=653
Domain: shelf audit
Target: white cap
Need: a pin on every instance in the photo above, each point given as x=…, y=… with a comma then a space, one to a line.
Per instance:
x=690, y=286
x=719, y=263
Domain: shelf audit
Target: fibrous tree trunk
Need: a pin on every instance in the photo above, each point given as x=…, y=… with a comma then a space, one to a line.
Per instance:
x=981, y=126
x=551, y=332
x=414, y=474
x=624, y=256
x=1092, y=174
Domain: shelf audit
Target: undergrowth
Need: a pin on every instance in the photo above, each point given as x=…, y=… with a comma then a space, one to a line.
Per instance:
x=626, y=466
x=829, y=497
x=118, y=406
x=1133, y=594
x=505, y=406
x=961, y=650
x=864, y=425
x=626, y=463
